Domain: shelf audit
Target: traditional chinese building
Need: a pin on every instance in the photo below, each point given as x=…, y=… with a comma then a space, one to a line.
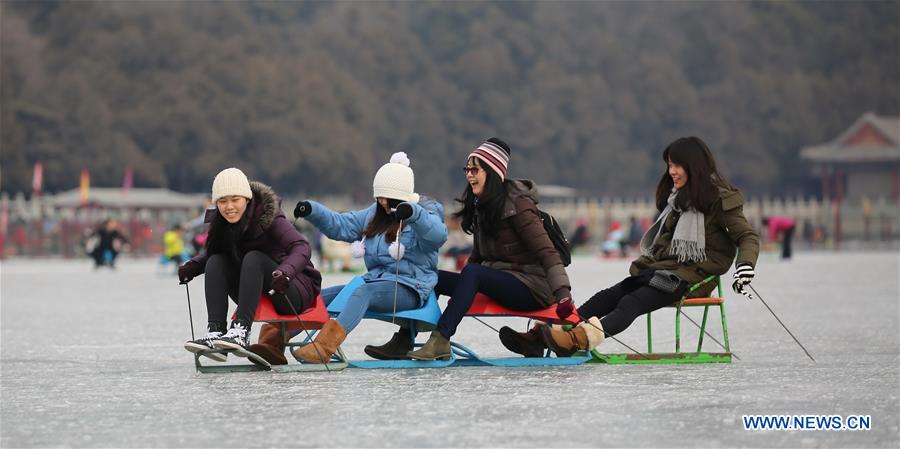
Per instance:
x=862, y=162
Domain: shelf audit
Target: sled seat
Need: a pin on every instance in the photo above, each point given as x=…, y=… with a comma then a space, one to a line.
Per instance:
x=421, y=319
x=695, y=302
x=487, y=307
x=312, y=318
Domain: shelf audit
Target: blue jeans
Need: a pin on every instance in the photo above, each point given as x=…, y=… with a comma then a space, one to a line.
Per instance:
x=377, y=296
x=462, y=287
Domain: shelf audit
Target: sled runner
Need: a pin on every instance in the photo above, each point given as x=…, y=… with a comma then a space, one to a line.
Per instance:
x=678, y=356
x=312, y=319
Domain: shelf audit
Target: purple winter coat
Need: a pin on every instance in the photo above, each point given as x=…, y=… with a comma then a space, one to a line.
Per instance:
x=267, y=230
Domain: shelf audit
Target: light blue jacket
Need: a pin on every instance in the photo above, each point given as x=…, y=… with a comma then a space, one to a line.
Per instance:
x=423, y=234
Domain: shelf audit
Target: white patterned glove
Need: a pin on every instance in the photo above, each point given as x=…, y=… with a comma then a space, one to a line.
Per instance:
x=742, y=277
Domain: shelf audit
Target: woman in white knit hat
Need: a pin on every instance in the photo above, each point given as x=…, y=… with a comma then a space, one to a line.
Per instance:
x=401, y=271
x=251, y=248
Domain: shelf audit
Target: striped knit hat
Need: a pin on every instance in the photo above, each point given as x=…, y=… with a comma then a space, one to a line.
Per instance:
x=495, y=154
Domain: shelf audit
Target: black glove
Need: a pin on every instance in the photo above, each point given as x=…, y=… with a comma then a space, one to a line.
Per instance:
x=280, y=282
x=302, y=209
x=742, y=277
x=188, y=271
x=404, y=211
x=564, y=304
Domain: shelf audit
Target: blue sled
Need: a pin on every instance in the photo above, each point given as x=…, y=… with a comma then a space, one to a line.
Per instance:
x=426, y=318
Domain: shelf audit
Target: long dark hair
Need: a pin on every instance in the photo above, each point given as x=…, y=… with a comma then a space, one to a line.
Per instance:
x=489, y=205
x=383, y=223
x=702, y=188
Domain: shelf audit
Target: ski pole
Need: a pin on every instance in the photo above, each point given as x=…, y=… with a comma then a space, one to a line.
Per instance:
x=191, y=318
x=397, y=273
x=302, y=326
x=779, y=321
x=190, y=314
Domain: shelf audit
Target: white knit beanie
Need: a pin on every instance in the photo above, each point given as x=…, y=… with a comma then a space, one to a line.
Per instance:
x=395, y=180
x=231, y=181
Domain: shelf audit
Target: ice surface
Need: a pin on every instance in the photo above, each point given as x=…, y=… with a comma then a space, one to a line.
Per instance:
x=95, y=359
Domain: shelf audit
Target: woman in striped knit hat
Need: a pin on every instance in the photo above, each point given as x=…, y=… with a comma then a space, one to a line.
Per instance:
x=513, y=260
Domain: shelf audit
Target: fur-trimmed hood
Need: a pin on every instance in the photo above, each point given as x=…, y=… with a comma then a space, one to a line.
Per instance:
x=264, y=206
x=267, y=203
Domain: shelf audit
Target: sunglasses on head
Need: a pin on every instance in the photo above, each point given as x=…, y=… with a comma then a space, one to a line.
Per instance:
x=473, y=170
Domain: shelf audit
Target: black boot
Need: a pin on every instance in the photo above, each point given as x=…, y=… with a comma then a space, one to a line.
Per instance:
x=395, y=349
x=529, y=344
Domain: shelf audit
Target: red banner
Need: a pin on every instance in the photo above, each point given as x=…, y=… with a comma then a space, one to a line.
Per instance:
x=85, y=186
x=128, y=180
x=37, y=180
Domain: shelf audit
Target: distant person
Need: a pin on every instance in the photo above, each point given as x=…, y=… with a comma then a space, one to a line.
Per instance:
x=614, y=243
x=635, y=232
x=780, y=225
x=173, y=245
x=581, y=235
x=252, y=248
x=399, y=237
x=106, y=243
x=335, y=255
x=700, y=229
x=198, y=228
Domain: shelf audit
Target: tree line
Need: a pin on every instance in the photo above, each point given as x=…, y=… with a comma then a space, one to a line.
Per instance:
x=312, y=97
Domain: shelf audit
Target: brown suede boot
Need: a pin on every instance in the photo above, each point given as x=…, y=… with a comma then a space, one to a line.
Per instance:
x=436, y=348
x=270, y=345
x=324, y=346
x=565, y=343
x=529, y=344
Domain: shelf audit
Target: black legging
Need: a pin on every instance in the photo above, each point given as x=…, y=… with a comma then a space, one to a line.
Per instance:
x=618, y=306
x=245, y=282
x=786, y=244
x=501, y=286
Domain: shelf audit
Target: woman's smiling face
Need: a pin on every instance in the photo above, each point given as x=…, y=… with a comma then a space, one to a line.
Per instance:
x=232, y=207
x=475, y=175
x=678, y=174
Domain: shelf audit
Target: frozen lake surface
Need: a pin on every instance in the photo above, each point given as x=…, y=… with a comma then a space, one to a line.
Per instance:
x=95, y=359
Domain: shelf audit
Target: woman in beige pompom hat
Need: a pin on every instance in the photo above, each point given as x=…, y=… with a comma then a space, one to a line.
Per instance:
x=398, y=236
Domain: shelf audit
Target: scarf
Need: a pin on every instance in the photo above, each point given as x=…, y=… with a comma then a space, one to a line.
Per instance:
x=689, y=239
